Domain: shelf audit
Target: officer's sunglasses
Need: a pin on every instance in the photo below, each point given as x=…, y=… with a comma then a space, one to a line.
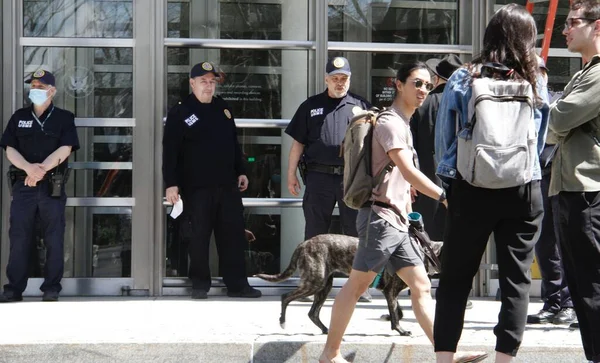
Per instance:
x=571, y=22
x=419, y=83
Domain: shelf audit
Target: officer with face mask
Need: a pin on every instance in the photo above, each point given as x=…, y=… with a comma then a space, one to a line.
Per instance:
x=202, y=164
x=38, y=141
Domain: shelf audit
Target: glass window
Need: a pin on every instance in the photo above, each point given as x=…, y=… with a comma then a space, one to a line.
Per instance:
x=540, y=12
x=373, y=74
x=561, y=70
x=90, y=82
x=107, y=248
x=252, y=91
x=78, y=18
x=237, y=19
x=388, y=21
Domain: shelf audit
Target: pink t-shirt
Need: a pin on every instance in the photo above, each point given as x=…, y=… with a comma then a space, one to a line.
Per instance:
x=391, y=132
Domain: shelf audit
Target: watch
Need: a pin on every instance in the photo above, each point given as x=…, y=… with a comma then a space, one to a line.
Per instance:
x=442, y=197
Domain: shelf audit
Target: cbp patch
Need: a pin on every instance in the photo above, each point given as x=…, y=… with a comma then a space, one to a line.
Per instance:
x=316, y=112
x=25, y=124
x=227, y=113
x=191, y=120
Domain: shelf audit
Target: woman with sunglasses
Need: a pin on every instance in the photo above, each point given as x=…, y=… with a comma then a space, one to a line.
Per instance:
x=513, y=215
x=382, y=228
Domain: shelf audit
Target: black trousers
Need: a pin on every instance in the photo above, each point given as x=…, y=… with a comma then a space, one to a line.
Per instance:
x=555, y=292
x=217, y=210
x=514, y=215
x=321, y=194
x=579, y=236
x=27, y=202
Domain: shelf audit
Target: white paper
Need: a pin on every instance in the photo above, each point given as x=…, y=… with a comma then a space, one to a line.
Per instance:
x=177, y=208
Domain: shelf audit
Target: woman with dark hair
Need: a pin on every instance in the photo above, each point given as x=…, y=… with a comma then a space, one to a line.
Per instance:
x=513, y=214
x=381, y=224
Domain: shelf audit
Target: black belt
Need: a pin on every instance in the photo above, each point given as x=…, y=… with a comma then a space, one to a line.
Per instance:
x=327, y=169
x=384, y=205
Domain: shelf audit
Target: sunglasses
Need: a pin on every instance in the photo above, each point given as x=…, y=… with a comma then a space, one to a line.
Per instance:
x=419, y=83
x=570, y=22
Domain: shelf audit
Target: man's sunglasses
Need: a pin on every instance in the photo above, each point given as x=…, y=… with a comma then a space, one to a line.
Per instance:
x=570, y=22
x=419, y=83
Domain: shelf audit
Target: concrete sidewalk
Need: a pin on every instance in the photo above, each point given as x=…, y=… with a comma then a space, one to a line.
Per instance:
x=223, y=329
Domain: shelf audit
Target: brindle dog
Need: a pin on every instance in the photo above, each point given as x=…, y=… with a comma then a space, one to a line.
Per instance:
x=317, y=259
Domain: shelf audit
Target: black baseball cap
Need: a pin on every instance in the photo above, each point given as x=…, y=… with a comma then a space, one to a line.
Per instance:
x=43, y=76
x=338, y=65
x=203, y=68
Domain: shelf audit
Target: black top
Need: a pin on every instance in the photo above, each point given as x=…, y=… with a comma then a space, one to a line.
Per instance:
x=34, y=142
x=200, y=145
x=320, y=125
x=422, y=125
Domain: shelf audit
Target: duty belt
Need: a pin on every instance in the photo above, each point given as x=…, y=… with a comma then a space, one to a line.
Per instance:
x=327, y=169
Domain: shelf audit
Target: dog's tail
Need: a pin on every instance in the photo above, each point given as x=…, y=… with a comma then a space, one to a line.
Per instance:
x=287, y=273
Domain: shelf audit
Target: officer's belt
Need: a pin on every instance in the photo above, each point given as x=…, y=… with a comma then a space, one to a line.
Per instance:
x=327, y=169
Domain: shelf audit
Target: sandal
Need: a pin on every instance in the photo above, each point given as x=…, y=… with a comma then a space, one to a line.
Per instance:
x=338, y=359
x=469, y=357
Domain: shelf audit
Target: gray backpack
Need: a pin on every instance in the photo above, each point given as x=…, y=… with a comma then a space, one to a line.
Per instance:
x=357, y=150
x=498, y=146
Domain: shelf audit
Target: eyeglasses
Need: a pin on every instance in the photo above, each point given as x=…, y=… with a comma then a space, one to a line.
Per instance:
x=420, y=83
x=570, y=22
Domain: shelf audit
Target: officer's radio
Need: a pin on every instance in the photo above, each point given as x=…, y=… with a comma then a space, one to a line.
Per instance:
x=57, y=181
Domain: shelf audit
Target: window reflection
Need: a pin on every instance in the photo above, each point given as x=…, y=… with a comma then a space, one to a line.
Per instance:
x=90, y=82
x=433, y=22
x=376, y=83
x=82, y=18
x=105, y=250
x=540, y=11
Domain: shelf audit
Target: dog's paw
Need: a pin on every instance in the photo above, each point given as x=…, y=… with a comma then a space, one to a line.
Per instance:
x=282, y=324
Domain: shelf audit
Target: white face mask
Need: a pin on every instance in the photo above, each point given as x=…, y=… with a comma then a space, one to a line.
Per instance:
x=38, y=96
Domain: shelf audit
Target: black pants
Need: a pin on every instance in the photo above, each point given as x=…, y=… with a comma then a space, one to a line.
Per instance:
x=579, y=236
x=217, y=210
x=555, y=292
x=514, y=215
x=27, y=202
x=321, y=194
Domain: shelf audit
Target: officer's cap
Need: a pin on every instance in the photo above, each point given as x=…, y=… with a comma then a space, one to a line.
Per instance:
x=338, y=65
x=203, y=68
x=43, y=76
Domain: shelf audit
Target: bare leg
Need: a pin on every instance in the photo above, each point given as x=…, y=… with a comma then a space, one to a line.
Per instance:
x=420, y=296
x=342, y=311
x=504, y=358
x=444, y=357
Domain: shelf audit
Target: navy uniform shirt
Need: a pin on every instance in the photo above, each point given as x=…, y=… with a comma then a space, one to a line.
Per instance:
x=320, y=124
x=34, y=142
x=200, y=145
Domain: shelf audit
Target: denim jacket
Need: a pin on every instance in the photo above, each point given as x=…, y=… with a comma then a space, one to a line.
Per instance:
x=454, y=108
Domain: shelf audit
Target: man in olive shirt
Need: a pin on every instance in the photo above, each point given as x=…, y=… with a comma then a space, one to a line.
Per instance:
x=575, y=178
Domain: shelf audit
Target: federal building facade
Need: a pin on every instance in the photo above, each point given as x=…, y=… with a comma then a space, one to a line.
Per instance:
x=121, y=64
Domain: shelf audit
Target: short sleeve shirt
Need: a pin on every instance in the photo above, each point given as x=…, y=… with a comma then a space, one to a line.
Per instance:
x=34, y=140
x=391, y=132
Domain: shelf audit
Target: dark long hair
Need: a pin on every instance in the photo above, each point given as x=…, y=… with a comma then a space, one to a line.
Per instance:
x=510, y=39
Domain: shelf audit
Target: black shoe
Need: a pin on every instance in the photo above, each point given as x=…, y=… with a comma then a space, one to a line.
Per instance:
x=50, y=296
x=248, y=292
x=543, y=317
x=565, y=316
x=10, y=297
x=469, y=305
x=574, y=325
x=199, y=294
x=365, y=297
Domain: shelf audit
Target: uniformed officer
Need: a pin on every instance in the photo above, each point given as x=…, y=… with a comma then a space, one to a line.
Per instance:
x=38, y=141
x=318, y=128
x=202, y=161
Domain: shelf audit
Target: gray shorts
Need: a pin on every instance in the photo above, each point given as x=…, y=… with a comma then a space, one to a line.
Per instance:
x=380, y=244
